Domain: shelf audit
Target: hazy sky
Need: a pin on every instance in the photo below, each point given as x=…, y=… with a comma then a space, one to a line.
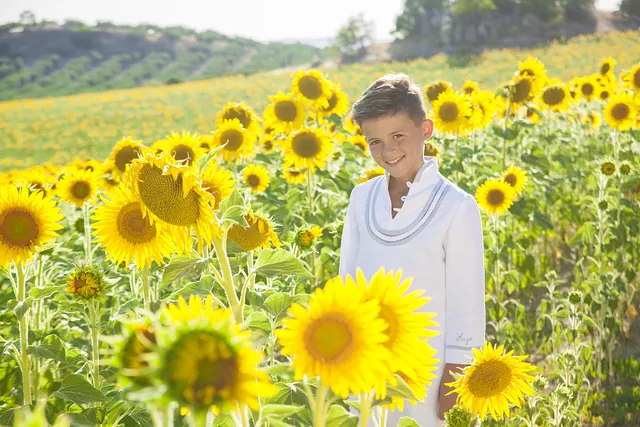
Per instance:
x=258, y=19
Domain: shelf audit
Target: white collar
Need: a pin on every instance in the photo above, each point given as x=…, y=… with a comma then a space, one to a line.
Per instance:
x=428, y=173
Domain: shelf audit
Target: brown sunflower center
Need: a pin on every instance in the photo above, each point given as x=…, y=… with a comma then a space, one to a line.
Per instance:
x=253, y=181
x=449, y=112
x=182, y=152
x=636, y=79
x=553, y=96
x=286, y=111
x=489, y=379
x=80, y=189
x=495, y=197
x=162, y=195
x=268, y=145
x=587, y=89
x=511, y=179
x=329, y=338
x=132, y=226
x=306, y=145
x=620, y=111
x=527, y=72
x=125, y=156
x=604, y=69
x=234, y=139
x=244, y=117
x=434, y=91
x=521, y=91
x=333, y=101
x=310, y=87
x=604, y=95
x=18, y=228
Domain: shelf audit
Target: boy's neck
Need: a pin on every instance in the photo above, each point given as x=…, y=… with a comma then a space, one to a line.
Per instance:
x=396, y=183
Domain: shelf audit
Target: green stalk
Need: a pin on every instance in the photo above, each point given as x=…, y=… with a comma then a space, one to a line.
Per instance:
x=310, y=191
x=94, y=307
x=383, y=417
x=87, y=233
x=319, y=413
x=221, y=252
x=146, y=288
x=364, y=409
x=25, y=362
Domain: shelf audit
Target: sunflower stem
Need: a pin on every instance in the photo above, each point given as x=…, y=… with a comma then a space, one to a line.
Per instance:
x=146, y=288
x=319, y=413
x=25, y=362
x=310, y=191
x=94, y=307
x=383, y=412
x=87, y=233
x=244, y=416
x=365, y=407
x=220, y=246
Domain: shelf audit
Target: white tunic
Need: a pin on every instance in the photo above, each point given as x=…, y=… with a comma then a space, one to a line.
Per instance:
x=436, y=238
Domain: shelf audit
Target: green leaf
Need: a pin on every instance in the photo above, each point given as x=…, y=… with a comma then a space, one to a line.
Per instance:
x=407, y=422
x=401, y=389
x=47, y=291
x=589, y=321
x=234, y=215
x=258, y=320
x=273, y=262
x=278, y=303
x=22, y=307
x=280, y=411
x=76, y=389
x=543, y=220
x=180, y=266
x=142, y=418
x=561, y=314
x=51, y=348
x=234, y=199
x=278, y=423
x=537, y=158
x=339, y=417
x=6, y=416
x=95, y=415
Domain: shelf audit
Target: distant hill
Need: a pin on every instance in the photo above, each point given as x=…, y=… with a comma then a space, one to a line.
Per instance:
x=48, y=59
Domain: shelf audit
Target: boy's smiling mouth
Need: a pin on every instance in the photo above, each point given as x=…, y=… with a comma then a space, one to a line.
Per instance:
x=395, y=161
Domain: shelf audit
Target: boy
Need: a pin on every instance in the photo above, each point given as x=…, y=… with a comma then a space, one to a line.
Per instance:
x=414, y=219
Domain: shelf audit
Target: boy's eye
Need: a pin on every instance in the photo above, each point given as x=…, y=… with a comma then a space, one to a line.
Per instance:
x=396, y=136
x=374, y=142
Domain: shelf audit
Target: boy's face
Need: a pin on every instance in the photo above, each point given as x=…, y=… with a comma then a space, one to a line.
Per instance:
x=397, y=143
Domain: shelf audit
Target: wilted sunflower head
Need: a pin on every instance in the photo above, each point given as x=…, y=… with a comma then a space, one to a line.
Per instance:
x=256, y=177
x=243, y=113
x=184, y=147
x=312, y=88
x=625, y=169
x=495, y=196
x=285, y=114
x=79, y=186
x=258, y=233
x=125, y=151
x=434, y=90
x=86, y=283
x=608, y=168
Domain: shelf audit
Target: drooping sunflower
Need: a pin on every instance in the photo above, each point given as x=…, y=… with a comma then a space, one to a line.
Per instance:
x=469, y=87
x=620, y=112
x=339, y=337
x=258, y=233
x=86, y=283
x=294, y=175
x=218, y=182
x=632, y=78
x=370, y=174
x=125, y=151
x=256, y=177
x=126, y=234
x=450, y=113
x=588, y=88
x=245, y=115
x=534, y=68
x=172, y=193
x=184, y=147
x=308, y=148
x=434, y=90
x=360, y=142
x=305, y=237
x=607, y=65
x=285, y=114
x=495, y=196
x=311, y=88
x=516, y=178
x=27, y=222
x=78, y=187
x=555, y=96
x=492, y=382
x=338, y=103
x=608, y=168
x=240, y=143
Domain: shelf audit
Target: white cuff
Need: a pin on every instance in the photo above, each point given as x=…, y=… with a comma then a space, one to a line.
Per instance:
x=459, y=354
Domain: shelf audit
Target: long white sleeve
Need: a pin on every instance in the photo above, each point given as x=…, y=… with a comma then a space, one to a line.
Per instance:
x=464, y=284
x=350, y=241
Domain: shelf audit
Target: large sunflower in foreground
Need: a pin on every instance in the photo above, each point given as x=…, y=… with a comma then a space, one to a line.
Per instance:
x=312, y=88
x=125, y=151
x=307, y=148
x=245, y=115
x=495, y=196
x=258, y=233
x=621, y=111
x=516, y=178
x=492, y=382
x=218, y=182
x=184, y=147
x=338, y=103
x=555, y=96
x=172, y=193
x=239, y=142
x=27, y=222
x=339, y=337
x=256, y=177
x=78, y=186
x=285, y=113
x=450, y=112
x=126, y=234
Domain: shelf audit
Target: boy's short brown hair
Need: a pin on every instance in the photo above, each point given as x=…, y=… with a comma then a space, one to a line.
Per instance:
x=390, y=95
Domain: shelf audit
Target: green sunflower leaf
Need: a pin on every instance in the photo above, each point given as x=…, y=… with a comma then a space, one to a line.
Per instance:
x=401, y=389
x=273, y=262
x=407, y=422
x=181, y=266
x=280, y=411
x=339, y=417
x=278, y=303
x=51, y=348
x=76, y=389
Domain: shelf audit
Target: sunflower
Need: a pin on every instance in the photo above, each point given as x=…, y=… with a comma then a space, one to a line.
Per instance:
x=492, y=382
x=555, y=96
x=495, y=196
x=516, y=178
x=305, y=237
x=606, y=66
x=370, y=174
x=625, y=169
x=125, y=151
x=307, y=148
x=532, y=115
x=339, y=337
x=131, y=358
x=245, y=115
x=36, y=179
x=256, y=177
x=85, y=283
x=312, y=88
x=351, y=126
x=521, y=90
x=406, y=326
x=338, y=103
x=434, y=90
x=620, y=112
x=632, y=78
x=285, y=114
x=588, y=88
x=239, y=142
x=108, y=182
x=126, y=234
x=593, y=120
x=608, y=168
x=185, y=147
x=534, y=68
x=450, y=112
x=258, y=233
x=294, y=175
x=171, y=193
x=484, y=107
x=218, y=182
x=469, y=87
x=268, y=143
x=195, y=310
x=27, y=222
x=87, y=164
x=78, y=187
x=360, y=142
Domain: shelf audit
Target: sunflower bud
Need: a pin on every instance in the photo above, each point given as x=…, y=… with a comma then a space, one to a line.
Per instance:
x=85, y=283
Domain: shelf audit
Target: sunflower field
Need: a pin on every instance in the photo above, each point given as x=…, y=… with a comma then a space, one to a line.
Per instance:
x=169, y=256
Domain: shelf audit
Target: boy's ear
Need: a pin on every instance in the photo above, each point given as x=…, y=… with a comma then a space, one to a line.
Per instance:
x=427, y=128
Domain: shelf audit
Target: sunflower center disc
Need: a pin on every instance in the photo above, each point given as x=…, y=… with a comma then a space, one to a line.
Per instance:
x=234, y=139
x=242, y=116
x=253, y=180
x=511, y=179
x=587, y=89
x=636, y=79
x=521, y=91
x=620, y=111
x=268, y=145
x=329, y=338
x=133, y=227
x=183, y=152
x=310, y=87
x=286, y=111
x=219, y=374
x=604, y=69
x=162, y=195
x=18, y=228
x=489, y=379
x=126, y=156
x=80, y=190
x=333, y=101
x=449, y=112
x=306, y=145
x=433, y=92
x=553, y=96
x=495, y=197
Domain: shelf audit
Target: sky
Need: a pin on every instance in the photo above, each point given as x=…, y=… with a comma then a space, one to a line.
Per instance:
x=263, y=20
